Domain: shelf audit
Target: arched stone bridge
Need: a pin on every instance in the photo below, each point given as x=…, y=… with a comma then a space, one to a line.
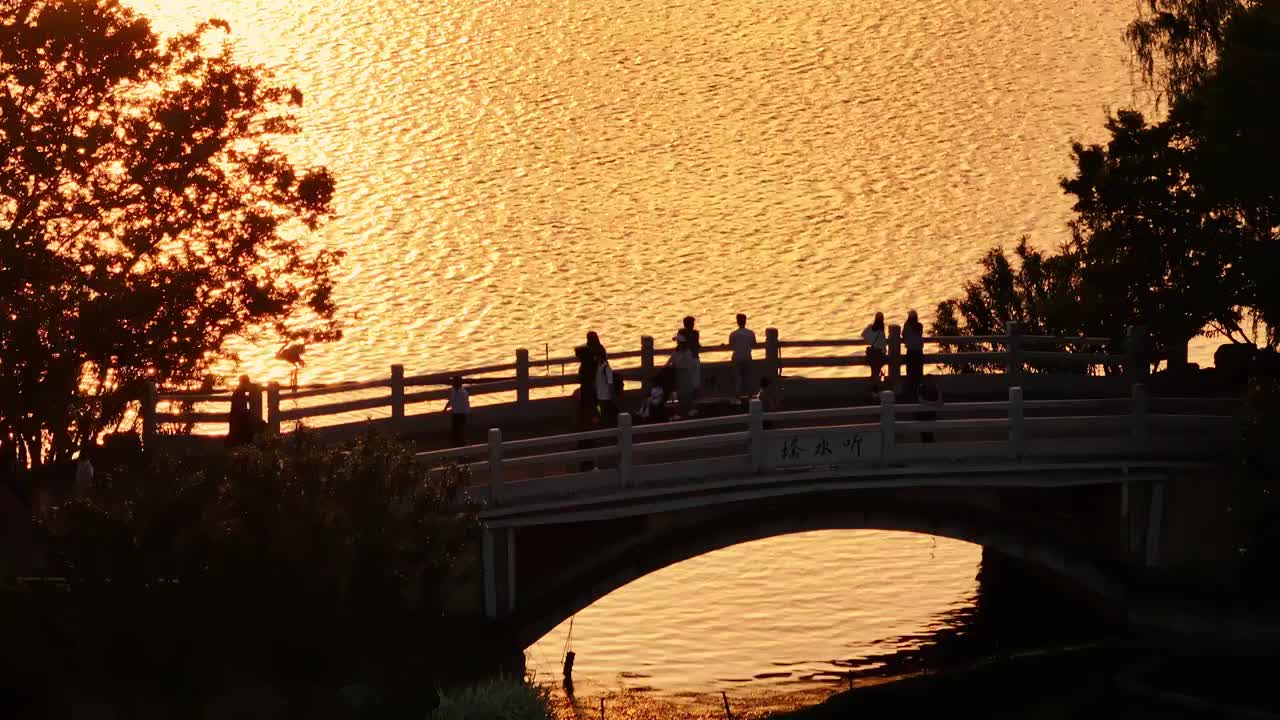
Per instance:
x=1085, y=488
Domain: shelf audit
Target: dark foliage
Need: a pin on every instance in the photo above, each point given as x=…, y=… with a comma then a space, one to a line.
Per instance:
x=1176, y=222
x=145, y=216
x=289, y=554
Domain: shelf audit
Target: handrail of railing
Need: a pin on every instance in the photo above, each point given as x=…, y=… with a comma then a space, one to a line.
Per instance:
x=452, y=453
x=1065, y=340
x=559, y=439
x=192, y=417
x=438, y=378
x=334, y=408
x=196, y=397
x=823, y=414
x=693, y=443
x=1113, y=402
x=1071, y=358
x=964, y=358
x=957, y=424
x=562, y=456
x=685, y=425
x=958, y=339
x=333, y=389
x=850, y=342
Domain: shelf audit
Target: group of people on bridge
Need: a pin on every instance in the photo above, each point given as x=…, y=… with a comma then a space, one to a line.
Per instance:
x=678, y=382
x=675, y=388
x=600, y=391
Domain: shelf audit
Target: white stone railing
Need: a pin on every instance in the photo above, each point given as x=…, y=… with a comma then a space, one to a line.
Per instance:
x=883, y=436
x=512, y=383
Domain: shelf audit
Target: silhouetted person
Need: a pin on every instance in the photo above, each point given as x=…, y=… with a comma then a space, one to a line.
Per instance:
x=84, y=470
x=240, y=420
x=605, y=398
x=654, y=407
x=459, y=407
x=743, y=342
x=876, y=344
x=913, y=342
x=770, y=397
x=586, y=407
x=684, y=364
x=769, y=394
x=930, y=399
x=596, y=347
x=588, y=360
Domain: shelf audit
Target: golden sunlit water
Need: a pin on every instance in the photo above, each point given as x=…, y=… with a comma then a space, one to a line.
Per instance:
x=512, y=174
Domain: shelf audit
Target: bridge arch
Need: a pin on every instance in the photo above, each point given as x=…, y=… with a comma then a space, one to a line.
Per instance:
x=616, y=560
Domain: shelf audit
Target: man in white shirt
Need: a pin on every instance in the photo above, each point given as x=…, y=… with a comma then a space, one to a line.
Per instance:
x=742, y=341
x=458, y=407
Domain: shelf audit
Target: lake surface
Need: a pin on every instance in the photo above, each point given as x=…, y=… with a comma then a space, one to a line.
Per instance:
x=512, y=174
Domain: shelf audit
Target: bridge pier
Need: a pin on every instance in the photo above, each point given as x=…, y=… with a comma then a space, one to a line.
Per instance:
x=498, y=546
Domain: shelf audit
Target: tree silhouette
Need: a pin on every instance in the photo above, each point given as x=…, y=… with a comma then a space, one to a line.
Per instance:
x=145, y=216
x=1177, y=223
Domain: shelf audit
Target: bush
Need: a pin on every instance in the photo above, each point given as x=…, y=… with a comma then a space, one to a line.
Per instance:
x=500, y=699
x=288, y=553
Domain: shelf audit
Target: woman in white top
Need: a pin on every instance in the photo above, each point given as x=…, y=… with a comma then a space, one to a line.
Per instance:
x=685, y=365
x=604, y=393
x=459, y=407
x=877, y=343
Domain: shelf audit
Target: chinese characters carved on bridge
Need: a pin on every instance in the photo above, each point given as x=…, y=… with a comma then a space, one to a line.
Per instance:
x=822, y=447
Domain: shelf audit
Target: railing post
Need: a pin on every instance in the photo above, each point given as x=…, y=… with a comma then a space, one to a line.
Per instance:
x=1141, y=421
x=1137, y=366
x=772, y=352
x=1013, y=349
x=397, y=396
x=624, y=449
x=150, y=426
x=522, y=380
x=1017, y=428
x=646, y=361
x=273, y=408
x=495, y=466
x=886, y=427
x=756, y=427
x=895, y=352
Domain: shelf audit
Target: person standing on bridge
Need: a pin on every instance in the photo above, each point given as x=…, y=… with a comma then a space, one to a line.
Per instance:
x=683, y=365
x=877, y=343
x=459, y=407
x=596, y=347
x=743, y=342
x=588, y=360
x=240, y=420
x=604, y=387
x=913, y=341
x=693, y=365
